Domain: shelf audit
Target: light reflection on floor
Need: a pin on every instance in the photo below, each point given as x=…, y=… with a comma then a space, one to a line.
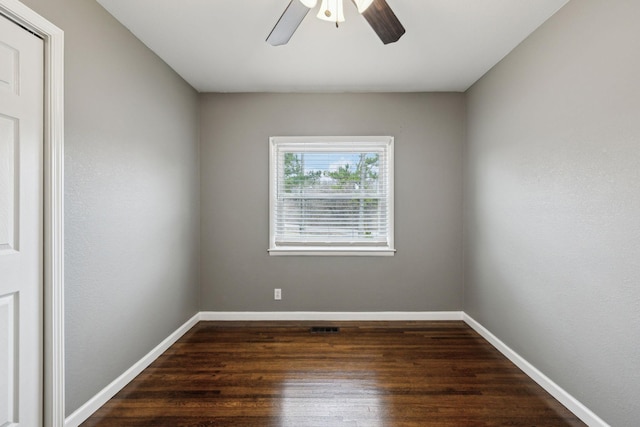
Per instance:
x=349, y=401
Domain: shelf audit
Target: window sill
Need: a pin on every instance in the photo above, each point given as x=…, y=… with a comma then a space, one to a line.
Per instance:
x=331, y=251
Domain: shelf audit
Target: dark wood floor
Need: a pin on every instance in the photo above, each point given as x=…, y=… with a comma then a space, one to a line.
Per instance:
x=369, y=374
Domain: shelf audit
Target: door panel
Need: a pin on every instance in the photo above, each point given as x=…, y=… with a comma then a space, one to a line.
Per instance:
x=8, y=183
x=8, y=362
x=21, y=215
x=8, y=68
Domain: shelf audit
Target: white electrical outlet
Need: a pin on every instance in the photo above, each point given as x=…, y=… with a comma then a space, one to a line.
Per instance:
x=277, y=294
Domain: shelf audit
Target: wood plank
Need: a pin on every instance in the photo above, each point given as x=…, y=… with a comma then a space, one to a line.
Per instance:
x=374, y=374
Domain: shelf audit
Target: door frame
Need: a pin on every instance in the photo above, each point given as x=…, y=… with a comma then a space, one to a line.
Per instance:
x=53, y=293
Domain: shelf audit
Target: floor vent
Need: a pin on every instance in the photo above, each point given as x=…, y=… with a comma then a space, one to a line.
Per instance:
x=324, y=330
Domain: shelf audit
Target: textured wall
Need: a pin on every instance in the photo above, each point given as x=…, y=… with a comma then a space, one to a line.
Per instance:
x=552, y=204
x=131, y=197
x=425, y=273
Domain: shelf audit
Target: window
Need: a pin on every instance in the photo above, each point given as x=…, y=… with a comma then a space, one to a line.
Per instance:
x=331, y=196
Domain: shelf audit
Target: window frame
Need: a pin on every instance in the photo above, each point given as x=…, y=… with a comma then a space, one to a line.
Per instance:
x=331, y=142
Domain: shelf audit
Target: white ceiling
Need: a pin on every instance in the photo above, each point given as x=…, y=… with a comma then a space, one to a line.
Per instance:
x=219, y=45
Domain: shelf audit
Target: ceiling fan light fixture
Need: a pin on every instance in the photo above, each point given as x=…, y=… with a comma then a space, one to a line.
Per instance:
x=380, y=17
x=331, y=10
x=362, y=5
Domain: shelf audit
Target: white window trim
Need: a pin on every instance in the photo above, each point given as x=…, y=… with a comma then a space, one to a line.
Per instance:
x=346, y=250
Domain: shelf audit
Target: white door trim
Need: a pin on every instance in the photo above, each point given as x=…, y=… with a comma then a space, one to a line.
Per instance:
x=53, y=205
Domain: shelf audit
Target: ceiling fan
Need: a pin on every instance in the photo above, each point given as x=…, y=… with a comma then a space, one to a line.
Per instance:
x=377, y=13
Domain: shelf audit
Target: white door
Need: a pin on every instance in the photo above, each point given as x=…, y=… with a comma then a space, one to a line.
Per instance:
x=21, y=213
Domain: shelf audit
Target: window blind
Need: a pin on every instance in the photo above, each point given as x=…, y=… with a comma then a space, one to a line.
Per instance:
x=332, y=194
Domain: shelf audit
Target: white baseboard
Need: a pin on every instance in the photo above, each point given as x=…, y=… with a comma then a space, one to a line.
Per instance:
x=330, y=315
x=571, y=403
x=92, y=405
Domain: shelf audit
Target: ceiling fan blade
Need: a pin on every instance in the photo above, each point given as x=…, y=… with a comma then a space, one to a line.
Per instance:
x=288, y=23
x=383, y=21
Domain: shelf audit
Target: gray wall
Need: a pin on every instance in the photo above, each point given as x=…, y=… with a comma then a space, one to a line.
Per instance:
x=552, y=204
x=426, y=272
x=132, y=187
